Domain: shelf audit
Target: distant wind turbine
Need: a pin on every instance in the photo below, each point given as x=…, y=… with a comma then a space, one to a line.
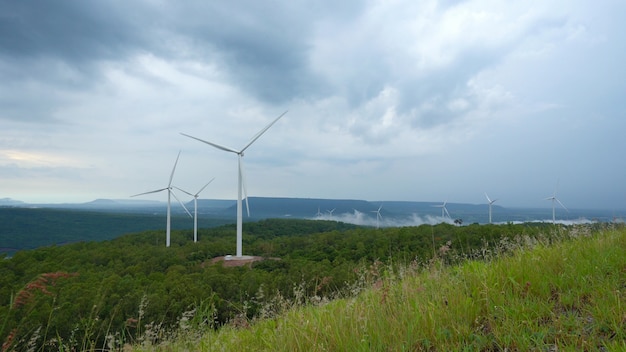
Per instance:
x=490, y=203
x=378, y=216
x=444, y=210
x=169, y=194
x=330, y=213
x=319, y=213
x=195, y=207
x=555, y=199
x=241, y=183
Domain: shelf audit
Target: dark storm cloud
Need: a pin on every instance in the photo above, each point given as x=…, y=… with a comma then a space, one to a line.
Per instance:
x=262, y=46
x=73, y=31
x=50, y=48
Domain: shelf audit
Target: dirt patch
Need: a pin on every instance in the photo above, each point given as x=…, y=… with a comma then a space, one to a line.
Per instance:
x=229, y=261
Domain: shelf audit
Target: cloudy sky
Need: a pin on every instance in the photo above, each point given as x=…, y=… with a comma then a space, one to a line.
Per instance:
x=387, y=100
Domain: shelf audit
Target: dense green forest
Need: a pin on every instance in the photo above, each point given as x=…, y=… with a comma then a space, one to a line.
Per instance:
x=82, y=292
x=29, y=228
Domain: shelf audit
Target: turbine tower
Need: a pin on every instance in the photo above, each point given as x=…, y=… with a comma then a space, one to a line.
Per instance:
x=241, y=183
x=490, y=203
x=555, y=199
x=378, y=216
x=195, y=207
x=169, y=194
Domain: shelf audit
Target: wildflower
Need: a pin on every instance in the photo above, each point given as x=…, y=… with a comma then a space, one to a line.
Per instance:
x=9, y=340
x=445, y=248
x=41, y=284
x=325, y=281
x=132, y=322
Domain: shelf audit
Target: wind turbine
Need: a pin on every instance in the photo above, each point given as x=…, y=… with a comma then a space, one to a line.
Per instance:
x=378, y=216
x=555, y=199
x=319, y=213
x=444, y=210
x=330, y=213
x=490, y=203
x=195, y=207
x=169, y=194
x=241, y=183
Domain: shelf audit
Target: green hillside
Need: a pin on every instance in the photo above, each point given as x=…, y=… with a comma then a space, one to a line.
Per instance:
x=529, y=294
x=133, y=291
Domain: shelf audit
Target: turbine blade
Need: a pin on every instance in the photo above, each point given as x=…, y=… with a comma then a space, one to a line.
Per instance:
x=213, y=144
x=182, y=190
x=243, y=183
x=202, y=189
x=181, y=203
x=446, y=209
x=155, y=191
x=173, y=169
x=256, y=136
x=558, y=201
x=489, y=200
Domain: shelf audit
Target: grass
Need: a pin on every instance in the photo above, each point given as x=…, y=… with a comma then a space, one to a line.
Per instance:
x=543, y=295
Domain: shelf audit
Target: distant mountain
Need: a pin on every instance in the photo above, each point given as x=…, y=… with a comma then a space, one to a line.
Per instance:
x=10, y=202
x=24, y=225
x=116, y=205
x=212, y=203
x=121, y=203
x=358, y=211
x=101, y=204
x=262, y=207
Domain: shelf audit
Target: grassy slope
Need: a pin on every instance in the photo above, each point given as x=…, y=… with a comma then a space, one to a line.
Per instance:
x=568, y=296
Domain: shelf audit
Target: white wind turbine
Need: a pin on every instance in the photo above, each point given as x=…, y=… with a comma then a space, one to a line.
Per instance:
x=169, y=194
x=195, y=207
x=319, y=213
x=444, y=210
x=490, y=203
x=554, y=199
x=378, y=216
x=330, y=213
x=241, y=182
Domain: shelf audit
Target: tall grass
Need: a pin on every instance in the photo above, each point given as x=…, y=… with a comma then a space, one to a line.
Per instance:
x=528, y=294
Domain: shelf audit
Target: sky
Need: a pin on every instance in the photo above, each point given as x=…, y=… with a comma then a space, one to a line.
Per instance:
x=386, y=100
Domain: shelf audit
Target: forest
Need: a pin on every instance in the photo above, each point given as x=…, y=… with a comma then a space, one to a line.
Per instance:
x=80, y=293
x=29, y=228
